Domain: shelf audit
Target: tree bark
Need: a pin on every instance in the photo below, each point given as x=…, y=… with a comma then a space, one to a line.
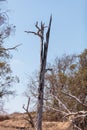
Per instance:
x=43, y=59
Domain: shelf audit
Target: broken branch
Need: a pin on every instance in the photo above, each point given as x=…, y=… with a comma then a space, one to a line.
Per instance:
x=29, y=119
x=74, y=97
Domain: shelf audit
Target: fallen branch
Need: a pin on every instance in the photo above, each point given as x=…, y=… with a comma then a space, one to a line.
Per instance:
x=78, y=114
x=60, y=103
x=74, y=97
x=78, y=119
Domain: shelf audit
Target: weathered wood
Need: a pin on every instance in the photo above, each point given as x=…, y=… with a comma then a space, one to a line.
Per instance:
x=75, y=98
x=43, y=61
x=43, y=57
x=29, y=119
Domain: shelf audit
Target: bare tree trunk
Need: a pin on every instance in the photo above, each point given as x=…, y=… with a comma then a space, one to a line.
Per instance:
x=43, y=59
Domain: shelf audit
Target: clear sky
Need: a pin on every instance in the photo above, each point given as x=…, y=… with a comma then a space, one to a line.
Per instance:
x=68, y=35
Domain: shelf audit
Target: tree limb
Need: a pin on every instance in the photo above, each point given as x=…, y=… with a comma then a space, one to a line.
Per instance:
x=74, y=97
x=7, y=49
x=78, y=114
x=49, y=69
x=48, y=31
x=54, y=109
x=29, y=119
x=61, y=103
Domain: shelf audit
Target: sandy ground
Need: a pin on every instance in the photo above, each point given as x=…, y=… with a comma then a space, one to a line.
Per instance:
x=17, y=122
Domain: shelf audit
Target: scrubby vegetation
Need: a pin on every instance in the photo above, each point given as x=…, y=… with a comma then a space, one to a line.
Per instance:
x=65, y=94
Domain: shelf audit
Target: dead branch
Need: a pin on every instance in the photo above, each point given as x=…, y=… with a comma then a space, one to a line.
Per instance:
x=48, y=32
x=77, y=128
x=60, y=103
x=57, y=110
x=76, y=114
x=39, y=30
x=49, y=69
x=29, y=119
x=36, y=25
x=77, y=118
x=7, y=49
x=31, y=32
x=74, y=97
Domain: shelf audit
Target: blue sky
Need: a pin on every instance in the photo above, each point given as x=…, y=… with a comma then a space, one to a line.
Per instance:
x=68, y=35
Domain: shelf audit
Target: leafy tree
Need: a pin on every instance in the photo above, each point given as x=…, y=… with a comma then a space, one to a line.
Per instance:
x=6, y=77
x=66, y=85
x=69, y=76
x=81, y=77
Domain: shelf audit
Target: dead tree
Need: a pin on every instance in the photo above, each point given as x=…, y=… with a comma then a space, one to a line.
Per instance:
x=29, y=118
x=43, y=70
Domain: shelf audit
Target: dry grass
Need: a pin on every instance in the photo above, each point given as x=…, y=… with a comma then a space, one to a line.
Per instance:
x=16, y=122
x=57, y=126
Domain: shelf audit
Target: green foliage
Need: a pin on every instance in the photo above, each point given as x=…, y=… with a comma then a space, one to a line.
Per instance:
x=6, y=77
x=83, y=59
x=69, y=75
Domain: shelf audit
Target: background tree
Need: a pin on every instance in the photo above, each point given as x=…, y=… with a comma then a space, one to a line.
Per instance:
x=65, y=86
x=69, y=76
x=6, y=77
